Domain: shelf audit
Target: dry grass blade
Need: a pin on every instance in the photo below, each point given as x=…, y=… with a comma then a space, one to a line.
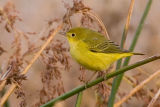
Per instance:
x=2, y=85
x=13, y=86
x=127, y=23
x=98, y=20
x=137, y=88
x=151, y=104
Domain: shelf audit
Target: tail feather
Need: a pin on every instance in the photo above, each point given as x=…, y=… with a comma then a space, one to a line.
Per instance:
x=134, y=53
x=138, y=54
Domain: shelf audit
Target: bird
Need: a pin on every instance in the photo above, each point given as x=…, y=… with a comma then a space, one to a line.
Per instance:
x=93, y=50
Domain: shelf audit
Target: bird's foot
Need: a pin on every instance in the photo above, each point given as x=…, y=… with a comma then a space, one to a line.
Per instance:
x=85, y=85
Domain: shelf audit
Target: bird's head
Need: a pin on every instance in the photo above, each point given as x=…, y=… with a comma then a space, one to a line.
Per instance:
x=77, y=34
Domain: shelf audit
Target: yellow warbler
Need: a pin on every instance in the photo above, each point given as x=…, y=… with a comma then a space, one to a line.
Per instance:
x=92, y=50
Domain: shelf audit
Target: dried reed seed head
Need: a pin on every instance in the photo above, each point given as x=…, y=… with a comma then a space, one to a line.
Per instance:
x=102, y=92
x=87, y=19
x=9, y=16
x=21, y=94
x=82, y=76
x=55, y=58
x=14, y=73
x=77, y=6
x=55, y=20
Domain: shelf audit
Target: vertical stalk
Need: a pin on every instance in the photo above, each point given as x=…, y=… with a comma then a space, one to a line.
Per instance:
x=117, y=80
x=79, y=99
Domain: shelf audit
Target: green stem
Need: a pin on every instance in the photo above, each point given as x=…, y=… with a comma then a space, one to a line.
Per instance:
x=79, y=99
x=117, y=80
x=98, y=80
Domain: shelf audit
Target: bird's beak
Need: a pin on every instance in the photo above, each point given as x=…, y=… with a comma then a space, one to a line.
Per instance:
x=62, y=33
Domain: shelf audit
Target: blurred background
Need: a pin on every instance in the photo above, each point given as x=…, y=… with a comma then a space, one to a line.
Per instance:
x=35, y=15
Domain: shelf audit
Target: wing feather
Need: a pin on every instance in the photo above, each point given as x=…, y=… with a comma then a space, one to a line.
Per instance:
x=96, y=42
x=103, y=46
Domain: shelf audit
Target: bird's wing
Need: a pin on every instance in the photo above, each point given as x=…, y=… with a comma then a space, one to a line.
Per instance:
x=101, y=45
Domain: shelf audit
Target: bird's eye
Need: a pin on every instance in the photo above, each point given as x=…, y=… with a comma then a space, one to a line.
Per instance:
x=73, y=34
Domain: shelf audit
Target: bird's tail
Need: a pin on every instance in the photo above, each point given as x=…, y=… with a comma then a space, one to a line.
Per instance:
x=138, y=53
x=134, y=53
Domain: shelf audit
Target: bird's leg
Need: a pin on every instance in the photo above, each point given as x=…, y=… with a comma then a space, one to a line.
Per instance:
x=91, y=77
x=83, y=75
x=104, y=75
x=108, y=70
x=101, y=74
